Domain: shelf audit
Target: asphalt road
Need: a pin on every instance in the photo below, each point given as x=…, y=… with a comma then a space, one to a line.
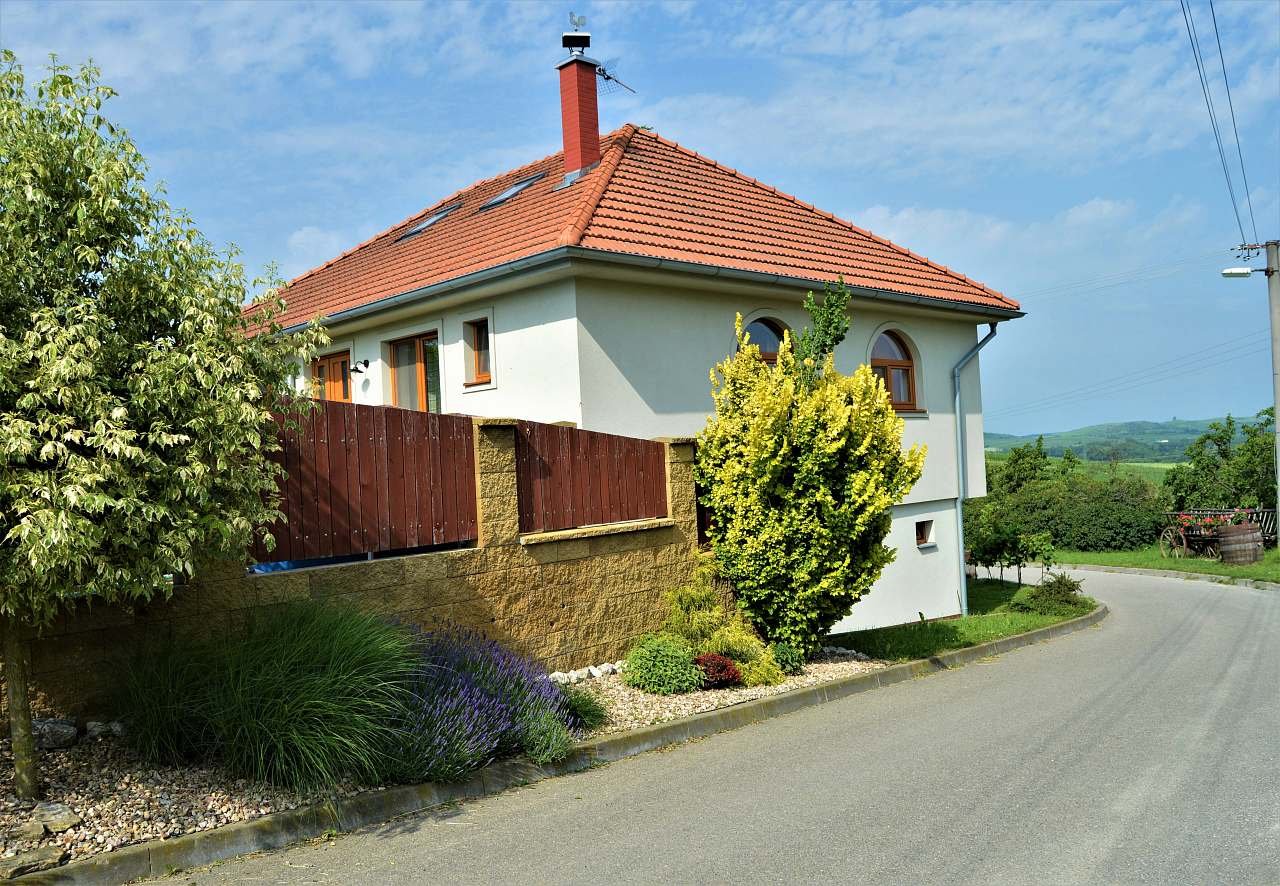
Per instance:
x=1143, y=750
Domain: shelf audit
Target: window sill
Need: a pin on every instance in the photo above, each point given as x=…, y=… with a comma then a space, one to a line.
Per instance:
x=927, y=546
x=912, y=413
x=479, y=384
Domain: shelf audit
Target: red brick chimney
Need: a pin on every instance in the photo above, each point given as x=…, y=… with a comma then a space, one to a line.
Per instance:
x=579, y=116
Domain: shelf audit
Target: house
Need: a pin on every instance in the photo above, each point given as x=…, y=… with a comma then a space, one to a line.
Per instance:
x=598, y=286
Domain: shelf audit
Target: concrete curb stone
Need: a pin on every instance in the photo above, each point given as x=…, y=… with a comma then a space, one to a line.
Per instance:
x=161, y=857
x=1177, y=573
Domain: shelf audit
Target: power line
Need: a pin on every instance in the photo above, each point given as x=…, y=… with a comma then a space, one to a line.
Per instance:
x=1189, y=20
x=1120, y=278
x=1230, y=104
x=1127, y=385
x=1179, y=362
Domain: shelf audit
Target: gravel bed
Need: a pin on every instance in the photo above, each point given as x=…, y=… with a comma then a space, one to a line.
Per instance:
x=631, y=708
x=121, y=800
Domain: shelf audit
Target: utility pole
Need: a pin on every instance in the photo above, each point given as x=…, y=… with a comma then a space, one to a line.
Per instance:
x=1272, y=270
x=1273, y=296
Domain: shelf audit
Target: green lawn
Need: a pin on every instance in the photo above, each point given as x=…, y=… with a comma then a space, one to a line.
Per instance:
x=1267, y=569
x=989, y=619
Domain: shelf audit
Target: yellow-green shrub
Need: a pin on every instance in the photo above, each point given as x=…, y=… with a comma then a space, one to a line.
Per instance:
x=695, y=611
x=735, y=640
x=801, y=466
x=762, y=671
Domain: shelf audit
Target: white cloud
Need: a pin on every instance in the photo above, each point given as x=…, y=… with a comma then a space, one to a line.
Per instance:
x=310, y=246
x=1066, y=86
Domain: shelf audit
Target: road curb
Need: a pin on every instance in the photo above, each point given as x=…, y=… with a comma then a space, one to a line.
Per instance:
x=1176, y=573
x=279, y=829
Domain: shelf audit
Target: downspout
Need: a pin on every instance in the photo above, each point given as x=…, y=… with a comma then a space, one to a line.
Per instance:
x=963, y=467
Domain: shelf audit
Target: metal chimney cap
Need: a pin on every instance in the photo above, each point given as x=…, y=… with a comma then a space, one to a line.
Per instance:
x=576, y=41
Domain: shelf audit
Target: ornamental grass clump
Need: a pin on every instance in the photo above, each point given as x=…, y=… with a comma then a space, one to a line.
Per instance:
x=801, y=467
x=584, y=711
x=662, y=664
x=308, y=696
x=473, y=701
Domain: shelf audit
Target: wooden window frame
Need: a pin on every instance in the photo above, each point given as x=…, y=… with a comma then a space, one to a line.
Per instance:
x=778, y=328
x=420, y=368
x=908, y=405
x=475, y=377
x=337, y=358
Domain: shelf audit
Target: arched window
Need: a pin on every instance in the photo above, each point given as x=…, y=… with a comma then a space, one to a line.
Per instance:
x=891, y=361
x=766, y=333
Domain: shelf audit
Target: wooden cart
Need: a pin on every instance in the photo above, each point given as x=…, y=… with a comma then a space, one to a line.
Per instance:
x=1187, y=536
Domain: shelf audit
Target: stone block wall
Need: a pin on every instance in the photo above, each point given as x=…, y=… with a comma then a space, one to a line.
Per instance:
x=569, y=598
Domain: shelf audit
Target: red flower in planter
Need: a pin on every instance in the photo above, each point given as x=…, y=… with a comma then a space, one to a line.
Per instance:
x=718, y=671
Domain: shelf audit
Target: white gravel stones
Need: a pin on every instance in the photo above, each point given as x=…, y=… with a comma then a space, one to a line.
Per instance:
x=119, y=800
x=630, y=708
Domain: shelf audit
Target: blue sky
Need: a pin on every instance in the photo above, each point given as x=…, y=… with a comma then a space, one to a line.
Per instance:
x=1058, y=152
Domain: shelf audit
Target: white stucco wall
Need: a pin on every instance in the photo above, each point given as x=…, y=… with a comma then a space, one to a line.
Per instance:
x=533, y=355
x=646, y=353
x=920, y=579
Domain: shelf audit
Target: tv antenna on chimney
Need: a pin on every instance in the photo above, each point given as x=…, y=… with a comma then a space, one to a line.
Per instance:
x=611, y=81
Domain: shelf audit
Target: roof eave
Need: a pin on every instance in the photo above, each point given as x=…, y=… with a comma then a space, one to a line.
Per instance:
x=547, y=260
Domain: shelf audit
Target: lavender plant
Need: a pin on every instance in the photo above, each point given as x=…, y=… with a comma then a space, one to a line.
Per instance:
x=474, y=700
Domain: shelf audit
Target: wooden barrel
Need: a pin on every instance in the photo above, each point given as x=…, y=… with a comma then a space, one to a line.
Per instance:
x=1240, y=545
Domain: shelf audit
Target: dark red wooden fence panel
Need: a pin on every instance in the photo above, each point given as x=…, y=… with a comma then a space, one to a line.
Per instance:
x=567, y=478
x=363, y=479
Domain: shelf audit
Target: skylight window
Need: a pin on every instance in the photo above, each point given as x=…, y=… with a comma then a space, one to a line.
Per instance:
x=428, y=222
x=513, y=190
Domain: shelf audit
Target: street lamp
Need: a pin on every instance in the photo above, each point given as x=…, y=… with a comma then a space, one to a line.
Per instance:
x=1272, y=270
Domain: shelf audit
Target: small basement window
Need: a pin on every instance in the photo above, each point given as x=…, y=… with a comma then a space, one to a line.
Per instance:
x=924, y=533
x=477, y=337
x=512, y=191
x=428, y=222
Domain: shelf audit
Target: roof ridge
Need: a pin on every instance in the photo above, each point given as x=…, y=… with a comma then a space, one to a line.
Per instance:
x=572, y=233
x=833, y=217
x=422, y=212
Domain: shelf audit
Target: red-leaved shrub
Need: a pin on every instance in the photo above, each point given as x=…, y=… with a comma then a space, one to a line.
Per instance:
x=718, y=671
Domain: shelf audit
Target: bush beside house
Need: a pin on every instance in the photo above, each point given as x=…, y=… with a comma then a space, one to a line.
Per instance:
x=801, y=467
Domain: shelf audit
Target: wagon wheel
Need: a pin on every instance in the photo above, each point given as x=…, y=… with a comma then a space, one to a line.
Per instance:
x=1210, y=550
x=1173, y=543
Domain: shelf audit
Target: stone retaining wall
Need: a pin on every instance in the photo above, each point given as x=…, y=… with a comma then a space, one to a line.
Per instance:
x=569, y=598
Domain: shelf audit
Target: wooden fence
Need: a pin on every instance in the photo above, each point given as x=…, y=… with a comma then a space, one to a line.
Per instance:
x=566, y=478
x=365, y=479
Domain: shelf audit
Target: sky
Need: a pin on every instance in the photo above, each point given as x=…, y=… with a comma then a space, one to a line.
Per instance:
x=1058, y=152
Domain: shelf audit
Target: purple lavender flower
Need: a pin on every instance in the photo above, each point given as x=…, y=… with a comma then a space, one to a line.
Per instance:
x=473, y=701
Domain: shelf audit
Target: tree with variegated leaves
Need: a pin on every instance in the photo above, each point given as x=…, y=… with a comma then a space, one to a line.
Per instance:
x=135, y=404
x=801, y=467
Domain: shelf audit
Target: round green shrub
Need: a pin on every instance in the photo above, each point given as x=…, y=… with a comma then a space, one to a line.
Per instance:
x=662, y=664
x=788, y=657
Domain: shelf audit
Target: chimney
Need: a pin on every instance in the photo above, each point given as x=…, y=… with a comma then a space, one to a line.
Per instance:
x=579, y=117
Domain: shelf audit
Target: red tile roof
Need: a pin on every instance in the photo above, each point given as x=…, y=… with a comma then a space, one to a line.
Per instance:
x=648, y=197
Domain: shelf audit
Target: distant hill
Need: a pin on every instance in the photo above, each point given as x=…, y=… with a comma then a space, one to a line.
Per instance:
x=1118, y=441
